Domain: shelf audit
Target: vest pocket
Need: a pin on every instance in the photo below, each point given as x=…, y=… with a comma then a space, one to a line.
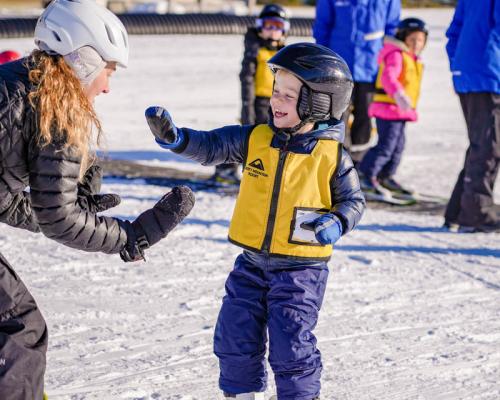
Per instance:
x=302, y=226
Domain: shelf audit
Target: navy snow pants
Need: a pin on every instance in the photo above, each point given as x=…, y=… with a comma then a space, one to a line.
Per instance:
x=283, y=297
x=383, y=159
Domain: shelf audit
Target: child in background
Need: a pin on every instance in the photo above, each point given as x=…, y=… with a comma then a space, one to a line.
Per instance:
x=394, y=103
x=261, y=43
x=299, y=193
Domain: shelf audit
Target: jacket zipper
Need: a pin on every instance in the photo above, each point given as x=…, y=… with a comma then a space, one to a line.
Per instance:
x=271, y=220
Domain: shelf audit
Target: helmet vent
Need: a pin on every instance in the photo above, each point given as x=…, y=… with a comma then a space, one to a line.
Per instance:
x=124, y=39
x=56, y=36
x=111, y=37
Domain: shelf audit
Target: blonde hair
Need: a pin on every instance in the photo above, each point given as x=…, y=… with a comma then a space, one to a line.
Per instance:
x=63, y=110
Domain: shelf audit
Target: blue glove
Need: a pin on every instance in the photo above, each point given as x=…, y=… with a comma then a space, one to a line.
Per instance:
x=163, y=128
x=328, y=229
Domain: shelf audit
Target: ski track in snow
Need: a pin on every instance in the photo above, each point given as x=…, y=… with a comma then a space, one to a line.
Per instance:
x=410, y=312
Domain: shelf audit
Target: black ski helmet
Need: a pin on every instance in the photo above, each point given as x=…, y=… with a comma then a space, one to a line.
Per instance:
x=409, y=25
x=327, y=80
x=273, y=11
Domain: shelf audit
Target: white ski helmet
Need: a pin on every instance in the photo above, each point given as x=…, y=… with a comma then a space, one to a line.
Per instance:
x=67, y=25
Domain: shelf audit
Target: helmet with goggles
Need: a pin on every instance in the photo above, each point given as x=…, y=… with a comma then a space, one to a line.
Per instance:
x=273, y=17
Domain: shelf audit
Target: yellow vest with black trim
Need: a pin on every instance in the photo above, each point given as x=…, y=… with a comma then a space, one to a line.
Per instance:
x=274, y=185
x=410, y=78
x=263, y=76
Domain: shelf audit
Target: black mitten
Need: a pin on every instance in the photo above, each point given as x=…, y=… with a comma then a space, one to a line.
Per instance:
x=161, y=125
x=91, y=181
x=155, y=224
x=88, y=199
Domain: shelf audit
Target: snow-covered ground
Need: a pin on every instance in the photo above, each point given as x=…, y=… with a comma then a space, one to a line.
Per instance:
x=411, y=311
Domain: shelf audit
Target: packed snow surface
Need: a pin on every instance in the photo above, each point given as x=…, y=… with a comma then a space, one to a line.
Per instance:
x=411, y=311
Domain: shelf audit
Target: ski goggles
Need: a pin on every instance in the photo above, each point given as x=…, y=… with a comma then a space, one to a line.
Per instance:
x=273, y=24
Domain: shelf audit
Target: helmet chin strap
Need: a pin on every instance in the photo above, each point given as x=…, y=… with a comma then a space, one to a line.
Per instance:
x=287, y=133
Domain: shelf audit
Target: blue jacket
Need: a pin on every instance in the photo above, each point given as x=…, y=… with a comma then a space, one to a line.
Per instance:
x=474, y=46
x=229, y=145
x=355, y=30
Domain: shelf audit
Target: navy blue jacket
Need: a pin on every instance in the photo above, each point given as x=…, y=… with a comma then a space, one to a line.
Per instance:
x=230, y=144
x=355, y=30
x=474, y=46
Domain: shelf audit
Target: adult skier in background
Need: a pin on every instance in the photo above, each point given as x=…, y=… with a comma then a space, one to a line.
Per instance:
x=299, y=194
x=355, y=30
x=261, y=42
x=47, y=120
x=474, y=52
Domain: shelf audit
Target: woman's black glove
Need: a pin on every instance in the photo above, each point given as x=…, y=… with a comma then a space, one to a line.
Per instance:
x=155, y=224
x=88, y=189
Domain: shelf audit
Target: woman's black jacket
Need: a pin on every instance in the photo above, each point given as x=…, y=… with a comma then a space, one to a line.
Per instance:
x=51, y=174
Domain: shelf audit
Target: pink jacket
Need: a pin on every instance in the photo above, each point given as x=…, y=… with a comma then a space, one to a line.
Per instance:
x=391, y=55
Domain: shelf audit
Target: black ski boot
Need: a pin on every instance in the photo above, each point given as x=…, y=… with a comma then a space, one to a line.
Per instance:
x=394, y=186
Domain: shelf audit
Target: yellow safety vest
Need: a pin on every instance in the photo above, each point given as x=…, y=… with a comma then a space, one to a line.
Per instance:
x=410, y=78
x=263, y=76
x=275, y=188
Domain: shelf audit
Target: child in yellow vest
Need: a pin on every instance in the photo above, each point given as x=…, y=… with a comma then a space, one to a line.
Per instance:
x=262, y=41
x=396, y=94
x=299, y=193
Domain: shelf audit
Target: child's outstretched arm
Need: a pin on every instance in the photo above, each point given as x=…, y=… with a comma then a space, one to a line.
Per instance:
x=223, y=145
x=349, y=202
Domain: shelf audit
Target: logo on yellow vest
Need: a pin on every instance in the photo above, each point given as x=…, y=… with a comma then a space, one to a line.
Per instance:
x=257, y=164
x=256, y=168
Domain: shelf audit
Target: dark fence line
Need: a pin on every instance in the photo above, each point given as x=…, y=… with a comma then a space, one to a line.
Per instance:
x=166, y=24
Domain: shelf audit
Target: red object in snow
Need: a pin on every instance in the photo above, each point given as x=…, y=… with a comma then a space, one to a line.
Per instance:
x=8, y=56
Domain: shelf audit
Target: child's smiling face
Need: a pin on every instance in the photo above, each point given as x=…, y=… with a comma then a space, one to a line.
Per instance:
x=284, y=99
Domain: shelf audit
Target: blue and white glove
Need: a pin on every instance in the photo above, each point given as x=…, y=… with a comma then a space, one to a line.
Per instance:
x=163, y=128
x=328, y=229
